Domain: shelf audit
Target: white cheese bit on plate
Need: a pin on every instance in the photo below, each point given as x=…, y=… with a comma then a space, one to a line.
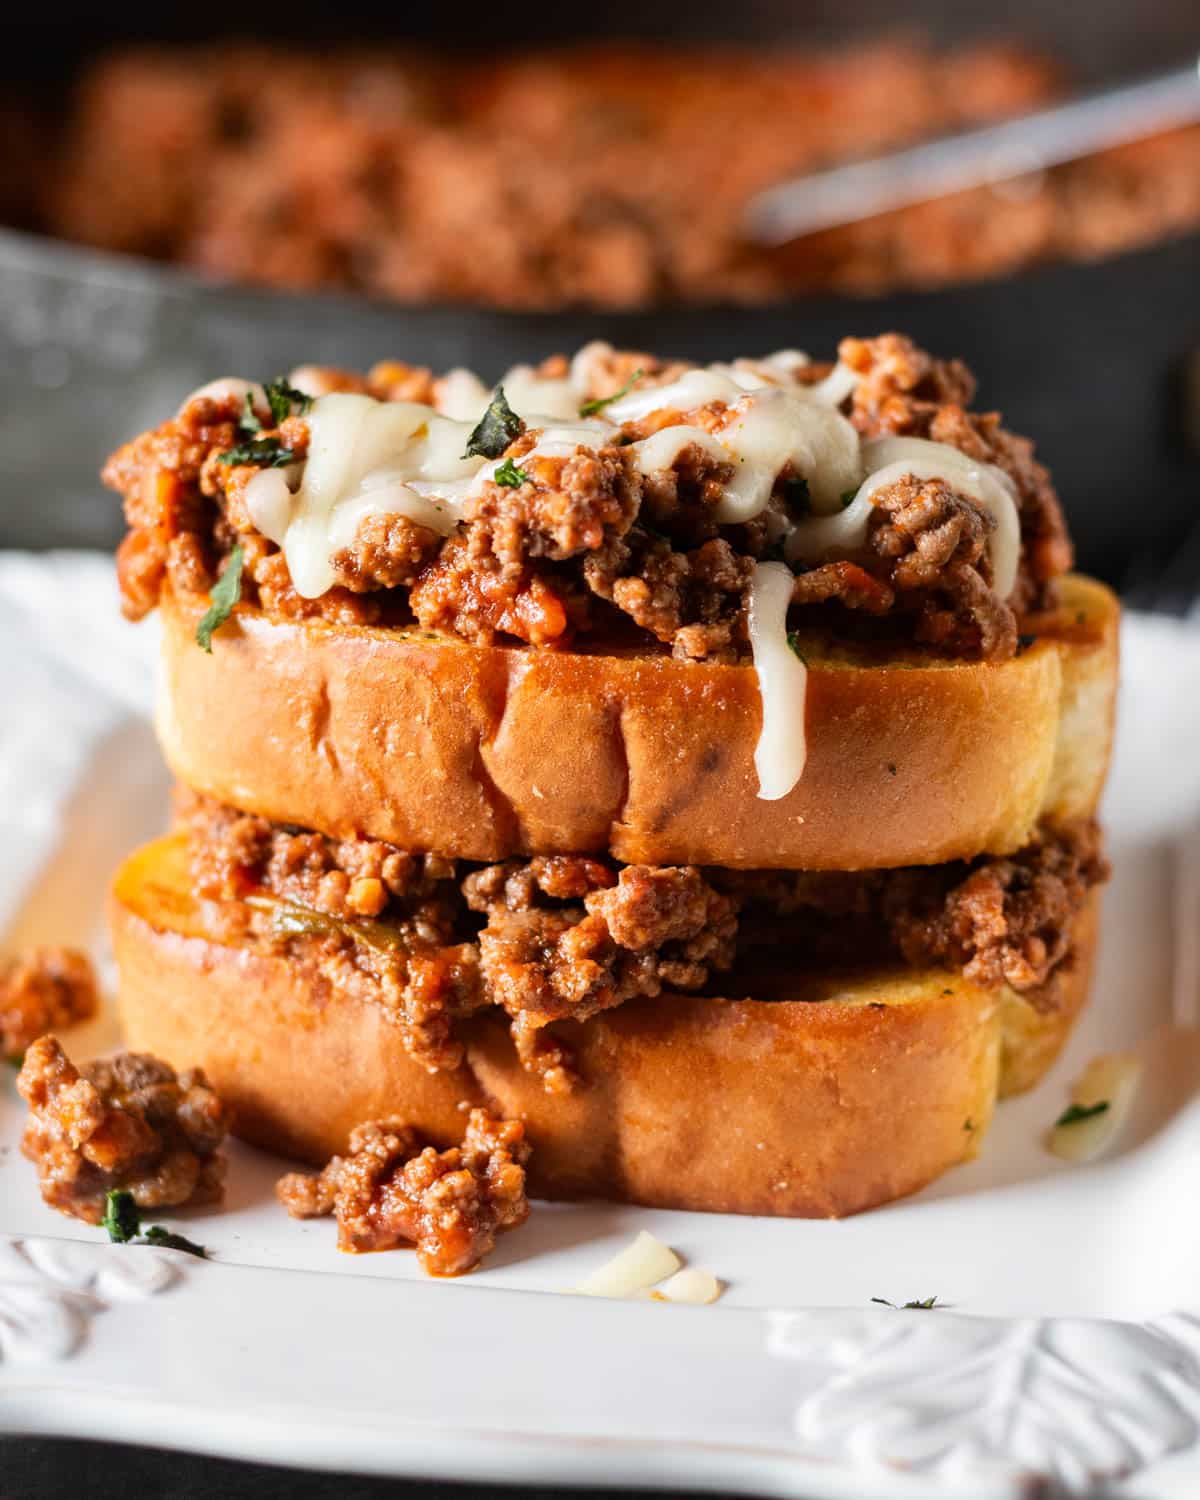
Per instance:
x=635, y=1269
x=692, y=1286
x=649, y=1271
x=1100, y=1103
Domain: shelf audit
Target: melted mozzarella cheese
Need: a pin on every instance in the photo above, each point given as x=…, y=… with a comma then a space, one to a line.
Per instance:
x=369, y=458
x=782, y=683
x=554, y=440
x=771, y=369
x=772, y=428
x=461, y=394
x=269, y=504
x=660, y=450
x=780, y=369
x=777, y=429
x=890, y=459
x=313, y=380
x=837, y=385
x=693, y=388
x=229, y=385
x=378, y=458
x=526, y=391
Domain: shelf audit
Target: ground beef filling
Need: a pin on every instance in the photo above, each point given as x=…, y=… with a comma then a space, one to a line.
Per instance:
x=585, y=545
x=392, y=1190
x=565, y=937
x=128, y=1123
x=41, y=990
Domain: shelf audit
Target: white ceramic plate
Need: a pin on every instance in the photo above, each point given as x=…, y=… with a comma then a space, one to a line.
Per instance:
x=1068, y=1350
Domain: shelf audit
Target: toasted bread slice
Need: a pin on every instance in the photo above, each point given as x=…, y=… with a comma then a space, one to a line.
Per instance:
x=858, y=1089
x=484, y=752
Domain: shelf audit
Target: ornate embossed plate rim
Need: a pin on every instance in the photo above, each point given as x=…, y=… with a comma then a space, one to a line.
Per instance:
x=874, y=1407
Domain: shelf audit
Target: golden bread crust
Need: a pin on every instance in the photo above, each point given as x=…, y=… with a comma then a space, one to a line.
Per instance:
x=484, y=752
x=854, y=1093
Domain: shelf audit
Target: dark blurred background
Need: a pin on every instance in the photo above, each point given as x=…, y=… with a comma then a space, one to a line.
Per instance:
x=1095, y=355
x=1098, y=40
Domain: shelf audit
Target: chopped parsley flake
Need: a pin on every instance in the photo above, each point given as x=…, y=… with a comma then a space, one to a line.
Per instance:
x=121, y=1217
x=509, y=477
x=1076, y=1112
x=590, y=408
x=793, y=640
x=167, y=1240
x=498, y=427
x=846, y=497
x=268, y=453
x=123, y=1221
x=281, y=398
x=924, y=1305
x=225, y=594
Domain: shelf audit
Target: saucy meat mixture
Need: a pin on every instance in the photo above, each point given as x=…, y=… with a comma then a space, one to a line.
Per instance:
x=589, y=172
x=127, y=1123
x=391, y=1189
x=41, y=990
x=432, y=940
x=130, y=1127
x=645, y=508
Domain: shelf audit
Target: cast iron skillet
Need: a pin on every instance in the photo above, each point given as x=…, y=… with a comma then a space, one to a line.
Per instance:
x=1089, y=359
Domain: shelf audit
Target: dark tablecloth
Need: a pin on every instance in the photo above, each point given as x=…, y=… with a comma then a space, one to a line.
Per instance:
x=49, y=1469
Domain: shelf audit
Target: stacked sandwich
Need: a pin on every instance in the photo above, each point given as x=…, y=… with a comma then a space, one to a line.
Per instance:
x=696, y=764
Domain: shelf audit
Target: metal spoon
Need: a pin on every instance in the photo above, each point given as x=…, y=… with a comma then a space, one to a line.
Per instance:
x=996, y=153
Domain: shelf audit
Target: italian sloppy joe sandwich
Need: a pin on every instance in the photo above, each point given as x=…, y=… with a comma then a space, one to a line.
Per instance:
x=695, y=764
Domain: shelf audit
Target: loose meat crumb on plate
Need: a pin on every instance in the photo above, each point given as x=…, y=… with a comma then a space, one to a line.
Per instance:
x=41, y=990
x=390, y=1190
x=128, y=1122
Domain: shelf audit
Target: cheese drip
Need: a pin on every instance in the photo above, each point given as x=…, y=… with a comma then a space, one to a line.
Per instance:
x=782, y=748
